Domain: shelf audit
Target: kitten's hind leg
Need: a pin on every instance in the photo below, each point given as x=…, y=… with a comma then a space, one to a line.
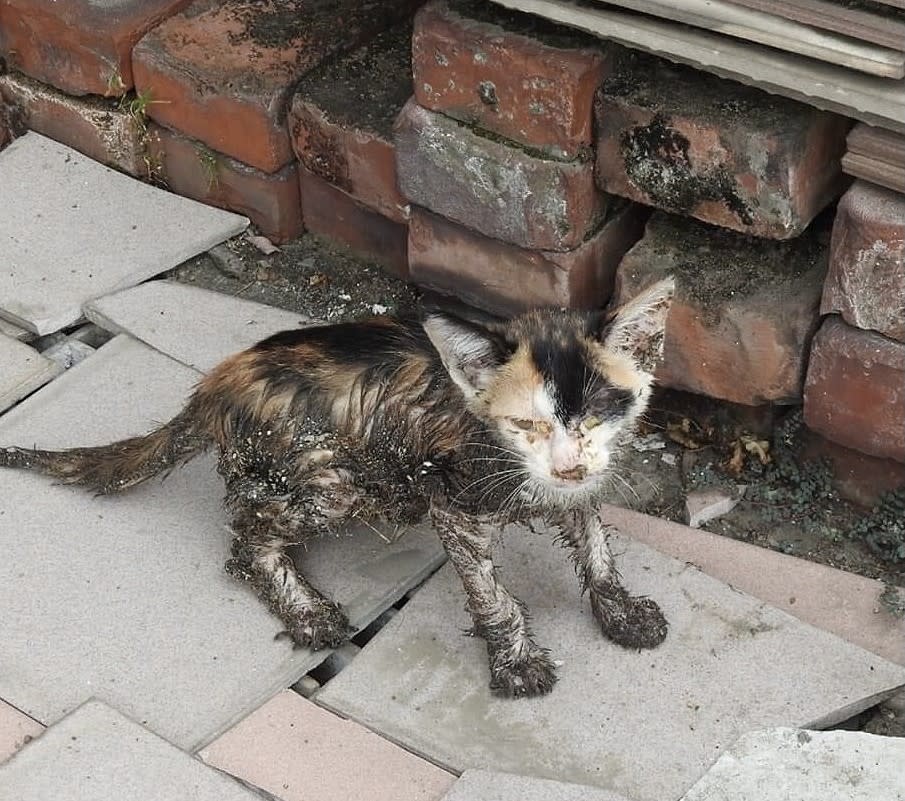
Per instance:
x=629, y=621
x=518, y=666
x=259, y=556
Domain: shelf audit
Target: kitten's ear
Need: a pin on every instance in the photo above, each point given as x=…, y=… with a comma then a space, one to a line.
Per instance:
x=637, y=327
x=470, y=352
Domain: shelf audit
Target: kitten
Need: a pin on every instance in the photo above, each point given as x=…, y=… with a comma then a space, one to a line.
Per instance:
x=474, y=424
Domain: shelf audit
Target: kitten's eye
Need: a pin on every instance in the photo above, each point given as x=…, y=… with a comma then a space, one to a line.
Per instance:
x=589, y=423
x=537, y=426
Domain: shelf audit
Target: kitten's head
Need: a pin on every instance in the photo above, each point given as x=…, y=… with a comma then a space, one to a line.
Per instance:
x=559, y=388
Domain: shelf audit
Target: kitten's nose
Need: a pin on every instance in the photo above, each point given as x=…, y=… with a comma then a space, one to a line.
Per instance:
x=576, y=473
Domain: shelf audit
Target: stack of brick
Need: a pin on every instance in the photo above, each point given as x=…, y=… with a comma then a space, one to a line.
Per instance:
x=855, y=390
x=495, y=154
x=754, y=171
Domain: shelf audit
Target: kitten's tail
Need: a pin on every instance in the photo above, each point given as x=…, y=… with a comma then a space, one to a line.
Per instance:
x=120, y=465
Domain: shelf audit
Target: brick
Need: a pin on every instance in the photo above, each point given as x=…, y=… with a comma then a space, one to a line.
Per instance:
x=223, y=72
x=79, y=46
x=866, y=280
x=331, y=213
x=270, y=200
x=500, y=191
x=509, y=73
x=855, y=389
x=103, y=130
x=744, y=312
x=726, y=154
x=505, y=279
x=342, y=128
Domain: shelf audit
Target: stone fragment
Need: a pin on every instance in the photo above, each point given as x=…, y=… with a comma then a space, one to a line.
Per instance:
x=855, y=389
x=703, y=506
x=22, y=371
x=508, y=73
x=190, y=168
x=506, y=279
x=866, y=279
x=700, y=146
x=744, y=311
x=498, y=190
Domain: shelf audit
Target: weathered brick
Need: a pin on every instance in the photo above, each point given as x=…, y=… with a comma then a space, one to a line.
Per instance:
x=107, y=131
x=724, y=153
x=500, y=191
x=342, y=126
x=855, y=389
x=331, y=213
x=513, y=74
x=506, y=279
x=223, y=72
x=866, y=280
x=744, y=310
x=188, y=167
x=79, y=46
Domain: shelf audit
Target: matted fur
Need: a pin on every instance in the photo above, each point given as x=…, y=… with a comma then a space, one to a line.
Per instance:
x=475, y=424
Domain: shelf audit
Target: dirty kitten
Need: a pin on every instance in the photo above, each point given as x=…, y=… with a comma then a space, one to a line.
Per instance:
x=475, y=424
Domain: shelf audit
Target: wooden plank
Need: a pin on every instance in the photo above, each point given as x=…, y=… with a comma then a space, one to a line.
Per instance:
x=877, y=143
x=766, y=29
x=892, y=176
x=854, y=22
x=877, y=101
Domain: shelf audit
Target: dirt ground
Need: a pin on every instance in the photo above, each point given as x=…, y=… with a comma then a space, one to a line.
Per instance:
x=687, y=444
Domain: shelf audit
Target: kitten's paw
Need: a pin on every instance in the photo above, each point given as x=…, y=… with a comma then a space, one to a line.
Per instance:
x=628, y=621
x=531, y=676
x=318, y=627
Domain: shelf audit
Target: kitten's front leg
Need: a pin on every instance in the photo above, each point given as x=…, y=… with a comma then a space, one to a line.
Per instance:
x=629, y=621
x=518, y=666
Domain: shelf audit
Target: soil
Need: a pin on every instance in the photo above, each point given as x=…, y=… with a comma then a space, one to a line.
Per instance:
x=367, y=88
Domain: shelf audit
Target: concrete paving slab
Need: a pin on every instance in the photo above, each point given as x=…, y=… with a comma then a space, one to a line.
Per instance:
x=781, y=764
x=22, y=371
x=845, y=604
x=72, y=230
x=125, y=598
x=97, y=754
x=297, y=751
x=486, y=785
x=645, y=724
x=869, y=98
x=15, y=331
x=16, y=730
x=195, y=326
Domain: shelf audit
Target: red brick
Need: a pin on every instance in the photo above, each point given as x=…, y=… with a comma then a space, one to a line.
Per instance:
x=857, y=477
x=724, y=153
x=187, y=167
x=342, y=131
x=331, y=213
x=499, y=191
x=866, y=280
x=855, y=390
x=104, y=130
x=744, y=310
x=508, y=73
x=79, y=46
x=506, y=279
x=223, y=72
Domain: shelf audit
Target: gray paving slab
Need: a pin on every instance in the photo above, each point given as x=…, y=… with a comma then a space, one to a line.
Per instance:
x=15, y=331
x=645, y=724
x=72, y=230
x=869, y=98
x=487, y=785
x=22, y=371
x=783, y=763
x=195, y=326
x=97, y=754
x=125, y=598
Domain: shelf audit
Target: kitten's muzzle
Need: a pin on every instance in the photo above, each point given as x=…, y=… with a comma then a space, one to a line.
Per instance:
x=577, y=473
